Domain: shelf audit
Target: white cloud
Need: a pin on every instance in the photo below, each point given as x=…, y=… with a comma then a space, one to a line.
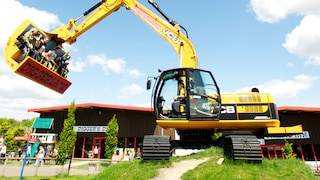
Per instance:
x=268, y=11
x=113, y=65
x=290, y=88
x=19, y=94
x=76, y=66
x=304, y=39
x=69, y=47
x=272, y=11
x=130, y=91
x=18, y=13
x=285, y=89
x=135, y=73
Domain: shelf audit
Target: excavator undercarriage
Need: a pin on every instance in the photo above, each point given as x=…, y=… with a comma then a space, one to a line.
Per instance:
x=237, y=146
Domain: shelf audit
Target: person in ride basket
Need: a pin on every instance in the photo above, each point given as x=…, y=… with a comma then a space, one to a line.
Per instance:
x=63, y=63
x=54, y=58
x=31, y=39
x=46, y=56
x=40, y=48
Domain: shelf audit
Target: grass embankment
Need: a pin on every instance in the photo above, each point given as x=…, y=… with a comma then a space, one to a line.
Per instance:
x=267, y=170
x=229, y=170
x=293, y=169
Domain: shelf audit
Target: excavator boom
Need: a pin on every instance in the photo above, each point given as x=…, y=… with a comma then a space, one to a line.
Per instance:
x=169, y=31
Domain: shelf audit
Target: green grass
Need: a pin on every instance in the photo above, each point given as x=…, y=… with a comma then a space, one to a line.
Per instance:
x=58, y=177
x=268, y=170
x=136, y=169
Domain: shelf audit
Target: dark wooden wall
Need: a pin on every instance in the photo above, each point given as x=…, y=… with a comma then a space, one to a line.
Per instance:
x=310, y=122
x=131, y=123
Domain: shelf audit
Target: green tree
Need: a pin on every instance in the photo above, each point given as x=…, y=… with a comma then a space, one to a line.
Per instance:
x=4, y=127
x=111, y=137
x=27, y=123
x=287, y=150
x=9, y=128
x=67, y=136
x=12, y=132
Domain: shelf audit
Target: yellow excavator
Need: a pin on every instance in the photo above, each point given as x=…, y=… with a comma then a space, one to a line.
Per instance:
x=201, y=112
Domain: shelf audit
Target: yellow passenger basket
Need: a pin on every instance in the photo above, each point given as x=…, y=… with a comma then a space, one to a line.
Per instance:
x=29, y=67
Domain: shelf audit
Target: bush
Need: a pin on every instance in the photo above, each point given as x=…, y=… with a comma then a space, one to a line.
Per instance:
x=287, y=150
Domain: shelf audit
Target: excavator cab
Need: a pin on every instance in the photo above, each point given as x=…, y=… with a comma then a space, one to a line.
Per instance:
x=201, y=98
x=28, y=52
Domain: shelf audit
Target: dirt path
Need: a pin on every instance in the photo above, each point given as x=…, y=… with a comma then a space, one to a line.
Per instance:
x=178, y=169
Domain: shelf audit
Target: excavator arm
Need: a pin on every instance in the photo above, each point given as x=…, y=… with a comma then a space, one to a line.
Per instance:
x=169, y=30
x=33, y=65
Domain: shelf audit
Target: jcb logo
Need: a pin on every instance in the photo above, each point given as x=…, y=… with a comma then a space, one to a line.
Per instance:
x=228, y=110
x=173, y=37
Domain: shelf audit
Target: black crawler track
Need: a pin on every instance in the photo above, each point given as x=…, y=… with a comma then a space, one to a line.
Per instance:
x=156, y=147
x=243, y=147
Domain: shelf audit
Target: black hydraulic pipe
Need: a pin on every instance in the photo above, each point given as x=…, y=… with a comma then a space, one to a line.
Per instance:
x=155, y=5
x=94, y=7
x=172, y=22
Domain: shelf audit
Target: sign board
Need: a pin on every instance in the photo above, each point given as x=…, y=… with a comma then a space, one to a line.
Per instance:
x=40, y=74
x=89, y=128
x=304, y=135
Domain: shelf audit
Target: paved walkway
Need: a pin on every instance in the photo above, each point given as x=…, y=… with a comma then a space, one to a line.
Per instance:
x=178, y=169
x=46, y=170
x=314, y=165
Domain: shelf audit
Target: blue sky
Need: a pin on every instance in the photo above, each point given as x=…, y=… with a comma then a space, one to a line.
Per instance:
x=272, y=45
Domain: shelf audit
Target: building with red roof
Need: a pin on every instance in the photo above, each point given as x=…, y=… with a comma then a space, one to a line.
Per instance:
x=91, y=122
x=305, y=146
x=135, y=122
